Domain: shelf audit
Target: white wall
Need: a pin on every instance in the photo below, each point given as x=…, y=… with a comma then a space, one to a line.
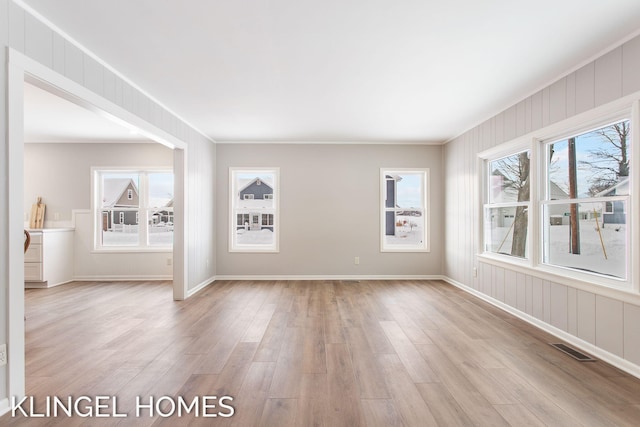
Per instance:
x=329, y=210
x=61, y=174
x=606, y=323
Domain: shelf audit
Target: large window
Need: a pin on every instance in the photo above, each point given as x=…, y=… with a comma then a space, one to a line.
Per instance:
x=585, y=200
x=403, y=212
x=254, y=200
x=133, y=209
x=506, y=210
x=563, y=203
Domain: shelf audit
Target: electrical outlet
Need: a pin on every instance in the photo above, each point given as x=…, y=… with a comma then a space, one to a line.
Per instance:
x=3, y=354
x=169, y=261
x=356, y=260
x=56, y=216
x=475, y=272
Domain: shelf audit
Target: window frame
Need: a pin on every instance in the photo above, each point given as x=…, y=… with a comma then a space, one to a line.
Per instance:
x=516, y=149
x=234, y=189
x=143, y=210
x=425, y=180
x=624, y=108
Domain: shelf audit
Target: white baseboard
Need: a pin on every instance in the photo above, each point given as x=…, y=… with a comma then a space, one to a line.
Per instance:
x=200, y=286
x=121, y=278
x=329, y=277
x=4, y=406
x=617, y=361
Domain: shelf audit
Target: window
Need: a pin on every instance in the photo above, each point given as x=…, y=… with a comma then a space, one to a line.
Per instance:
x=570, y=190
x=506, y=210
x=122, y=199
x=253, y=205
x=403, y=211
x=586, y=192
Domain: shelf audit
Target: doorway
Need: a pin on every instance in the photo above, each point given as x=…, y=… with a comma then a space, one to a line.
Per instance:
x=22, y=69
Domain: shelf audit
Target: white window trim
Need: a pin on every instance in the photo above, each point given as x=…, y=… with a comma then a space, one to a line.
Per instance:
x=626, y=107
x=143, y=200
x=426, y=181
x=233, y=191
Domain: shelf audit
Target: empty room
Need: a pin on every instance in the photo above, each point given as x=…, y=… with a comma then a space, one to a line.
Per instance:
x=285, y=213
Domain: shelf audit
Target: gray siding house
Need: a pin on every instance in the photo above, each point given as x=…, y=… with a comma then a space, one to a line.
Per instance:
x=255, y=206
x=119, y=193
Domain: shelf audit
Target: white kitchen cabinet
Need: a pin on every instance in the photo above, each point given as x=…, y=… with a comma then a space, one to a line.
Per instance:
x=49, y=260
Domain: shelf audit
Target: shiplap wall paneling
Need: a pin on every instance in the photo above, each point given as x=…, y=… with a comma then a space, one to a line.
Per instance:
x=38, y=43
x=537, y=309
x=558, y=306
x=73, y=63
x=16, y=27
x=571, y=95
x=546, y=301
x=499, y=283
x=631, y=66
x=93, y=75
x=609, y=325
x=632, y=333
x=585, y=78
x=510, y=288
x=510, y=123
x=586, y=316
x=608, y=77
x=572, y=311
x=558, y=101
x=528, y=308
x=521, y=292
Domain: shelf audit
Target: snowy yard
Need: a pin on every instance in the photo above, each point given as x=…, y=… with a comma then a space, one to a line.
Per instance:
x=158, y=236
x=409, y=231
x=592, y=255
x=254, y=237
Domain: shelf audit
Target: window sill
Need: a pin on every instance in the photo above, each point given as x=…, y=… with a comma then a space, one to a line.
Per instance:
x=123, y=250
x=619, y=290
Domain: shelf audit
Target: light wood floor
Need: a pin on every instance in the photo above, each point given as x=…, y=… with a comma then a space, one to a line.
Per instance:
x=375, y=353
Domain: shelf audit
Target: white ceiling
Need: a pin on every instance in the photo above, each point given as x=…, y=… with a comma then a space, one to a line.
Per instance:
x=341, y=70
x=50, y=118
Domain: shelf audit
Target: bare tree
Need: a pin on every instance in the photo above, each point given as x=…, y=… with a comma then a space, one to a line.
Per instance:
x=515, y=170
x=610, y=161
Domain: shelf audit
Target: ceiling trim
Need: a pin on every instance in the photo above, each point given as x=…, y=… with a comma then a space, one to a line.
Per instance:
x=320, y=142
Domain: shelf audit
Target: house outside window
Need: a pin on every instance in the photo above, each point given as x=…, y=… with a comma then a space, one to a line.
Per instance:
x=254, y=205
x=122, y=198
x=404, y=210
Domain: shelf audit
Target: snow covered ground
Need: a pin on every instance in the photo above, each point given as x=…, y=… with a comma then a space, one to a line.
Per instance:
x=255, y=237
x=592, y=254
x=158, y=236
x=411, y=233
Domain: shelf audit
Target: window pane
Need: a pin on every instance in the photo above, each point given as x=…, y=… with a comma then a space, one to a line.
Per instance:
x=120, y=190
x=406, y=227
x=509, y=179
x=253, y=198
x=403, y=210
x=595, y=164
x=119, y=227
x=595, y=242
x=161, y=209
x=506, y=230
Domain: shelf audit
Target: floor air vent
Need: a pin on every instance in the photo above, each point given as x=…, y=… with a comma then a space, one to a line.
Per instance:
x=573, y=353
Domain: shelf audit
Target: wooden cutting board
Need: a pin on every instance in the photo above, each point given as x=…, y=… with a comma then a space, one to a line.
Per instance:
x=36, y=219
